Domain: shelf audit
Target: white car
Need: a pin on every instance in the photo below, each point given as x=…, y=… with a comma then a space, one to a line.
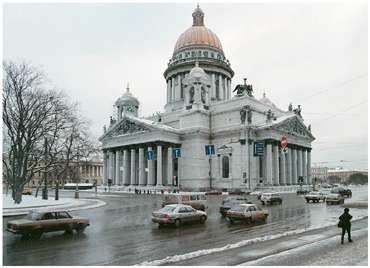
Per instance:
x=270, y=198
x=177, y=214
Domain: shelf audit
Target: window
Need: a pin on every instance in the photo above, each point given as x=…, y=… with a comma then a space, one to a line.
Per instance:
x=193, y=197
x=252, y=209
x=225, y=166
x=183, y=210
x=63, y=215
x=48, y=216
x=205, y=54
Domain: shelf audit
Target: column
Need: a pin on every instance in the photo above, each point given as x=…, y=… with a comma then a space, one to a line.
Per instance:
x=283, y=169
x=141, y=167
x=226, y=94
x=276, y=165
x=111, y=170
x=172, y=89
x=299, y=162
x=168, y=90
x=117, y=177
x=220, y=166
x=229, y=88
x=159, y=165
x=183, y=93
x=169, y=166
x=104, y=179
x=304, y=166
x=294, y=166
x=132, y=181
x=213, y=87
x=151, y=171
x=269, y=163
x=220, y=88
x=126, y=168
x=289, y=167
x=309, y=179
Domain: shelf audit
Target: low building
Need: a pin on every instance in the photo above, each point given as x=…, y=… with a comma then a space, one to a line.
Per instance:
x=344, y=174
x=320, y=173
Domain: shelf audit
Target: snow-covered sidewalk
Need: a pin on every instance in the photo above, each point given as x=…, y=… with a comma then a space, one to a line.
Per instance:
x=256, y=248
x=32, y=203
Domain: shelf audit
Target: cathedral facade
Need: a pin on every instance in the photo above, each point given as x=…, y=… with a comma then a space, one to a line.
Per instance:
x=208, y=136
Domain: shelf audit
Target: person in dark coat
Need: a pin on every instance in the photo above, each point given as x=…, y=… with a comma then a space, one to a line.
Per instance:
x=345, y=219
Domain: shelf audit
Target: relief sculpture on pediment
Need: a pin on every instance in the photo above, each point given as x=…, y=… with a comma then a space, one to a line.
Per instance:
x=293, y=127
x=127, y=127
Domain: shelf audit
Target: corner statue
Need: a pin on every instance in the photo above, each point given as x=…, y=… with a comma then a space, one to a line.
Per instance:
x=241, y=90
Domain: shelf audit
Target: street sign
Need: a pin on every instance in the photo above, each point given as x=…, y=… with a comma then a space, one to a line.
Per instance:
x=210, y=149
x=150, y=155
x=283, y=142
x=176, y=152
x=259, y=148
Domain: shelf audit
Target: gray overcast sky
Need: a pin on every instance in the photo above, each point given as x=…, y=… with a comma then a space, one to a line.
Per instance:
x=313, y=54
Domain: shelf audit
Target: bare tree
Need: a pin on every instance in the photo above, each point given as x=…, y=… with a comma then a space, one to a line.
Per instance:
x=33, y=117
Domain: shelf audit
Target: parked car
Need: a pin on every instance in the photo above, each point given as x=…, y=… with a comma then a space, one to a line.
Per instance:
x=345, y=192
x=232, y=201
x=302, y=192
x=27, y=191
x=37, y=223
x=314, y=197
x=270, y=198
x=196, y=200
x=177, y=214
x=246, y=212
x=334, y=199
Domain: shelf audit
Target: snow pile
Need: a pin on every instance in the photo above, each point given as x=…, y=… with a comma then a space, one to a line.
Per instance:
x=31, y=201
x=202, y=252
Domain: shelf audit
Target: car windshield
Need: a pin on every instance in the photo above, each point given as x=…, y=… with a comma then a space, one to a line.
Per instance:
x=167, y=209
x=33, y=216
x=313, y=193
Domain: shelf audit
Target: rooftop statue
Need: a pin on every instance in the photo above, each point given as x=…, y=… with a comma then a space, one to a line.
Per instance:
x=242, y=90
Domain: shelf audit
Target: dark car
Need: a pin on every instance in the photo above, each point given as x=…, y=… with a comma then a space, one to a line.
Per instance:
x=230, y=202
x=37, y=223
x=345, y=192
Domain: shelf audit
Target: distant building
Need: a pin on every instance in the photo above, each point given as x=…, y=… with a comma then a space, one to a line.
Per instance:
x=321, y=173
x=344, y=174
x=90, y=172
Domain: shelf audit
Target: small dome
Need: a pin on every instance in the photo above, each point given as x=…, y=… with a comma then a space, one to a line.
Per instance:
x=267, y=101
x=127, y=98
x=198, y=34
x=196, y=71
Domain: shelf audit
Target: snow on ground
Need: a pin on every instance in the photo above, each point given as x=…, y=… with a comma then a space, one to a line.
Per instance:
x=325, y=252
x=31, y=201
x=198, y=253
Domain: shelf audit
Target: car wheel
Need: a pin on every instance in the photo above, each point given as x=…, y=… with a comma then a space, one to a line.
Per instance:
x=80, y=228
x=203, y=219
x=230, y=219
x=177, y=223
x=36, y=234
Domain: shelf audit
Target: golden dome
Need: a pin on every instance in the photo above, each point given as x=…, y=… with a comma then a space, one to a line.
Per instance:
x=198, y=34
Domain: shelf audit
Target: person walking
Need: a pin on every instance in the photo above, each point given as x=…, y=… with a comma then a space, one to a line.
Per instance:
x=345, y=224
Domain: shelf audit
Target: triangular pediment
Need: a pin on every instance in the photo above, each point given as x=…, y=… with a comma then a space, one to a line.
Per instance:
x=294, y=126
x=125, y=127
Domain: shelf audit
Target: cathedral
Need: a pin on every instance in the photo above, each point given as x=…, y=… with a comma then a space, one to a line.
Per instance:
x=209, y=136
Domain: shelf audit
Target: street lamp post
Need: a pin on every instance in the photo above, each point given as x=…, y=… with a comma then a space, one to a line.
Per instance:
x=45, y=189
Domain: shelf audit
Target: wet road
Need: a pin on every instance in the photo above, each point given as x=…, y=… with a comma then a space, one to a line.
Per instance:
x=121, y=233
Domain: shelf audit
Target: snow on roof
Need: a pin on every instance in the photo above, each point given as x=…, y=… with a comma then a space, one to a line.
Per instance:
x=278, y=120
x=152, y=123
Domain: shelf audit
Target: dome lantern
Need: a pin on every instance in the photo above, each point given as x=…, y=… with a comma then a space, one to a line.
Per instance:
x=127, y=104
x=198, y=17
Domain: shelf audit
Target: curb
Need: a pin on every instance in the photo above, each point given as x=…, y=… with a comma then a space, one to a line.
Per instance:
x=65, y=207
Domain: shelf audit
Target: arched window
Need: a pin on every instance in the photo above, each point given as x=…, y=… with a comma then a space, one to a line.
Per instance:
x=225, y=166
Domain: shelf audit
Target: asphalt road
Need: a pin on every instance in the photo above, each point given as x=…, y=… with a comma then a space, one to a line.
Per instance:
x=121, y=233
